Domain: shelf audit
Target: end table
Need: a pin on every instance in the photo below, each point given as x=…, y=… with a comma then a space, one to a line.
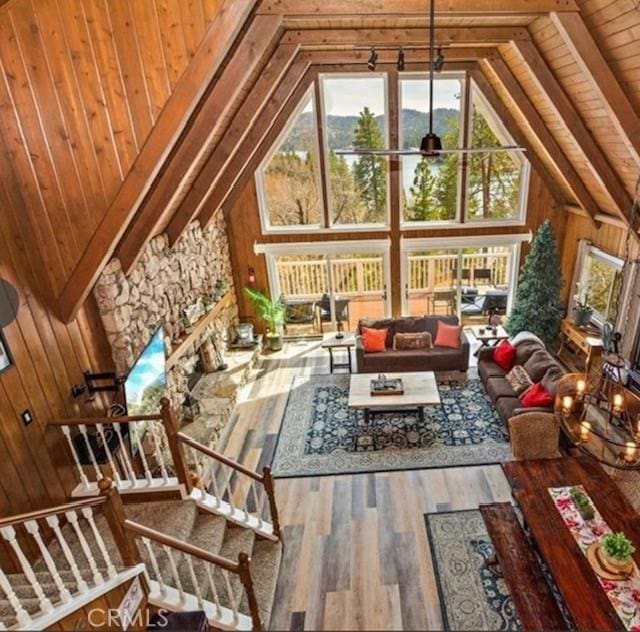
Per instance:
x=331, y=343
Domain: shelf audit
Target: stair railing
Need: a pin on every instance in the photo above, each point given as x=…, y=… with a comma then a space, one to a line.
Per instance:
x=235, y=491
x=208, y=582
x=114, y=447
x=89, y=563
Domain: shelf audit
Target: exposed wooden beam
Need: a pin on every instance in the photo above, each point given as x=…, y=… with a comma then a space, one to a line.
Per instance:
x=518, y=135
x=390, y=56
x=333, y=8
x=586, y=52
x=601, y=218
x=479, y=36
x=548, y=145
x=196, y=142
x=567, y=113
x=217, y=42
x=220, y=173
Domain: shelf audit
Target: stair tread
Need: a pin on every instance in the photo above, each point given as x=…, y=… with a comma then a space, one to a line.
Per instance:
x=208, y=532
x=173, y=517
x=265, y=566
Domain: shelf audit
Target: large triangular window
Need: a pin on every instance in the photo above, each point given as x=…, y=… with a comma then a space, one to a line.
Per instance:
x=496, y=180
x=289, y=177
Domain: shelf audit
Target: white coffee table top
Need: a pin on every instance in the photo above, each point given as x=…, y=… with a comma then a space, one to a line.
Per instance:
x=420, y=389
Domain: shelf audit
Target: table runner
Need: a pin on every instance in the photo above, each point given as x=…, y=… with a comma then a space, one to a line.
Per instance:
x=623, y=595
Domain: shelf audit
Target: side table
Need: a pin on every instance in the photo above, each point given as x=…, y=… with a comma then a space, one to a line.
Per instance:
x=331, y=343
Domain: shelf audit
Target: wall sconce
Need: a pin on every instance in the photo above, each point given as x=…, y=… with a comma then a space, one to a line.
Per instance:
x=373, y=60
x=251, y=276
x=400, y=64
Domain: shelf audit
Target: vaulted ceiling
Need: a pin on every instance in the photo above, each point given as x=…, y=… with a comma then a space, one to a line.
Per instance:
x=564, y=75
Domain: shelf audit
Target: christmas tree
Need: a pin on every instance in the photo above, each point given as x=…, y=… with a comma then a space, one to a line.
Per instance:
x=538, y=307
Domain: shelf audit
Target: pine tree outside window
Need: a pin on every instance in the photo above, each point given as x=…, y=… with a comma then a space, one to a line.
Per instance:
x=430, y=187
x=355, y=115
x=289, y=178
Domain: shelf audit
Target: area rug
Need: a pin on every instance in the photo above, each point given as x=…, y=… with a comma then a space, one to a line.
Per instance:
x=320, y=435
x=472, y=597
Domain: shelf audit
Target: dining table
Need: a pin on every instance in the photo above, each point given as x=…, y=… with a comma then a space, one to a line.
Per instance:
x=581, y=591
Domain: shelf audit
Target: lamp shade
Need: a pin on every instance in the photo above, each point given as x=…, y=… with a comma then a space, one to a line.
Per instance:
x=431, y=144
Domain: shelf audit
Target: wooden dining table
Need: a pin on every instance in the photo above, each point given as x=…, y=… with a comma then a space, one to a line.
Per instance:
x=580, y=589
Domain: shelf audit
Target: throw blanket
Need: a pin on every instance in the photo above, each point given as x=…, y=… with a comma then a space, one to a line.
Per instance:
x=524, y=336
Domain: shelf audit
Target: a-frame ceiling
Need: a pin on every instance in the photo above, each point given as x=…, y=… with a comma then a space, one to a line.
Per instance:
x=564, y=75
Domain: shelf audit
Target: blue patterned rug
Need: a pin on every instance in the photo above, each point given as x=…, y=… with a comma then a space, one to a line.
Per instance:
x=472, y=597
x=321, y=435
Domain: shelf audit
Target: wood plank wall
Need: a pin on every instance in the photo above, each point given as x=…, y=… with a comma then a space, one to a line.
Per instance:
x=82, y=82
x=244, y=231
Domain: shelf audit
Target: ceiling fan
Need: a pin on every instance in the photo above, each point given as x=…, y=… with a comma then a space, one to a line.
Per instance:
x=431, y=144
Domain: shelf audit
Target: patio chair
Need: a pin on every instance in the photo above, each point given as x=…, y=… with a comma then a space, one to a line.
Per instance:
x=482, y=276
x=496, y=302
x=446, y=297
x=323, y=310
x=299, y=312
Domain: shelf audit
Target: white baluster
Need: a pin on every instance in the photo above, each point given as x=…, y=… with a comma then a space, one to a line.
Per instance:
x=194, y=581
x=174, y=572
x=54, y=523
x=22, y=617
x=72, y=517
x=214, y=590
x=66, y=431
x=199, y=472
x=124, y=454
x=33, y=528
x=92, y=456
x=154, y=564
x=232, y=597
x=9, y=534
x=114, y=467
x=214, y=485
x=87, y=513
x=227, y=489
x=158, y=450
x=143, y=457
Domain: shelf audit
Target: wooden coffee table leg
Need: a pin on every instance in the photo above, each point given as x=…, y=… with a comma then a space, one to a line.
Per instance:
x=367, y=416
x=421, y=414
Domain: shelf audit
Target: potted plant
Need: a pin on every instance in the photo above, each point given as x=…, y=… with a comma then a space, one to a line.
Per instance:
x=582, y=313
x=583, y=504
x=208, y=302
x=272, y=312
x=618, y=551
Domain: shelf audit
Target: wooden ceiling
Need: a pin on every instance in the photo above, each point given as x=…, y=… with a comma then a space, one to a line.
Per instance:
x=134, y=131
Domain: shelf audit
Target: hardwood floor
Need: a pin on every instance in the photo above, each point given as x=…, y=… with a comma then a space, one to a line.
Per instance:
x=356, y=554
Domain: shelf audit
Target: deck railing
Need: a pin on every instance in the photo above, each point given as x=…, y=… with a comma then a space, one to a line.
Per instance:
x=365, y=276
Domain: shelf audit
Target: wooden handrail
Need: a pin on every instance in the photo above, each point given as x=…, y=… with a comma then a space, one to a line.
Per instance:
x=184, y=547
x=94, y=421
x=51, y=511
x=219, y=457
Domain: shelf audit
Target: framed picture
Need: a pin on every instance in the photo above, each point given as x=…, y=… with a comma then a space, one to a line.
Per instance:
x=5, y=355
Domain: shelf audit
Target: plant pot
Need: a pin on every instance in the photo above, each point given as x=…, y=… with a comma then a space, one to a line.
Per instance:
x=274, y=342
x=582, y=317
x=617, y=566
x=587, y=513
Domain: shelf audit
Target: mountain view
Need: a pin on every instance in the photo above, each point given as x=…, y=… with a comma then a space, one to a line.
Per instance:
x=340, y=128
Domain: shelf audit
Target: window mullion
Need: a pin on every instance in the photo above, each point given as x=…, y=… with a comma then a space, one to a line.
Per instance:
x=322, y=145
x=466, y=142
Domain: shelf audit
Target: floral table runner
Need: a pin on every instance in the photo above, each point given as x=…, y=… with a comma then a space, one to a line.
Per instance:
x=623, y=595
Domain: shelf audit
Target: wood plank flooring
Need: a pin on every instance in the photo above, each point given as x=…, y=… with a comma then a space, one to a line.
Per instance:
x=356, y=554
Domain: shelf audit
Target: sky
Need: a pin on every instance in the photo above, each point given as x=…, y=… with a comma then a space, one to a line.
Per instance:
x=345, y=97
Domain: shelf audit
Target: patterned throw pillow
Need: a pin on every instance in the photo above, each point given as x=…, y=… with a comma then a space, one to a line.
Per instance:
x=409, y=342
x=518, y=379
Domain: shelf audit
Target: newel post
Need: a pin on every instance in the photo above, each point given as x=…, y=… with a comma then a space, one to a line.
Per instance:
x=172, y=428
x=269, y=488
x=115, y=515
x=244, y=572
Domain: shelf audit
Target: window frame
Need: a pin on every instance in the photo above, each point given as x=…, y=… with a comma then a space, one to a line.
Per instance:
x=424, y=75
x=261, y=190
x=368, y=226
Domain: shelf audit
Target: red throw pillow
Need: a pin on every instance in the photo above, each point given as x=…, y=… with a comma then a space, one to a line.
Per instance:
x=374, y=340
x=535, y=396
x=447, y=336
x=504, y=355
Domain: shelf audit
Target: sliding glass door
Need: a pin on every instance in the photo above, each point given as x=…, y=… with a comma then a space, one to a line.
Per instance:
x=469, y=281
x=329, y=285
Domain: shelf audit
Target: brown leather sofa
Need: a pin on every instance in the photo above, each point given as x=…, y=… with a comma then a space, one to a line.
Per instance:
x=435, y=359
x=537, y=362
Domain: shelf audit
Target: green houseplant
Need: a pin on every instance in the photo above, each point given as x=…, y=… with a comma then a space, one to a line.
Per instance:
x=583, y=504
x=272, y=312
x=618, y=549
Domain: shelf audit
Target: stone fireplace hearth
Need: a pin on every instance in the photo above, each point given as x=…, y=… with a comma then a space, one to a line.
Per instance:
x=164, y=283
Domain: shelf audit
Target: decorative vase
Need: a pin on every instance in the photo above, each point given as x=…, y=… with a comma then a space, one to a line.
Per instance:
x=582, y=316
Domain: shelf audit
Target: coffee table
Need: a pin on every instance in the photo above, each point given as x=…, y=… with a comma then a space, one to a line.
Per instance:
x=488, y=338
x=420, y=390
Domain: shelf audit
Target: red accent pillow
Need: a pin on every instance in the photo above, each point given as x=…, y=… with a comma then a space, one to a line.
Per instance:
x=374, y=340
x=504, y=355
x=535, y=396
x=447, y=335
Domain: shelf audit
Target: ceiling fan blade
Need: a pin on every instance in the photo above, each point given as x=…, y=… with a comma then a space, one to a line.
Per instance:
x=417, y=152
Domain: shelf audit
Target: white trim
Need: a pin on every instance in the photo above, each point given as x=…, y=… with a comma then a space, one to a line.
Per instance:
x=408, y=244
x=80, y=600
x=324, y=247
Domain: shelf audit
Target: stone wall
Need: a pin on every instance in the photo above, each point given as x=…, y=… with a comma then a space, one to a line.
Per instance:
x=163, y=283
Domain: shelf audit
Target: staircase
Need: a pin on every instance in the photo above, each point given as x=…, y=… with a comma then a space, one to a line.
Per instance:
x=214, y=547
